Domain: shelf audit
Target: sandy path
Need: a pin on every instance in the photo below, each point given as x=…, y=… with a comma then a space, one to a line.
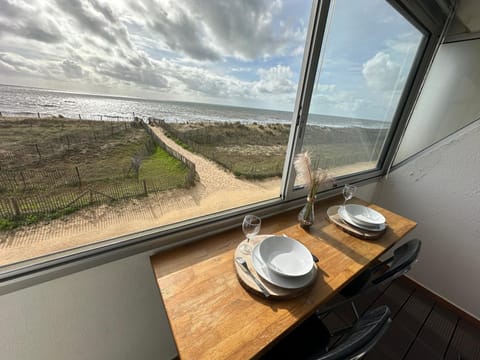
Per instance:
x=217, y=190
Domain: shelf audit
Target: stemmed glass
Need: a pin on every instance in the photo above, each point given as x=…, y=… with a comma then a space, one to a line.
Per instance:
x=250, y=227
x=348, y=192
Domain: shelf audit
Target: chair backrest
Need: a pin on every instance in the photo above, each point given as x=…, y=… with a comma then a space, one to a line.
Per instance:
x=361, y=338
x=401, y=261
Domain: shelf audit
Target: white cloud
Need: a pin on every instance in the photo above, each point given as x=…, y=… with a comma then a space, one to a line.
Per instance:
x=19, y=64
x=276, y=80
x=189, y=49
x=72, y=70
x=381, y=72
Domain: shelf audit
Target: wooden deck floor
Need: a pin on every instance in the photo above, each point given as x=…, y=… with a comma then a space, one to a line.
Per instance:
x=422, y=328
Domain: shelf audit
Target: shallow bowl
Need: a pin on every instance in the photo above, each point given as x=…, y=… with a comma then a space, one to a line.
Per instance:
x=363, y=215
x=285, y=256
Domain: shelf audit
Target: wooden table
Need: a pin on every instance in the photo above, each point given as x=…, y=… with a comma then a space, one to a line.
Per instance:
x=213, y=317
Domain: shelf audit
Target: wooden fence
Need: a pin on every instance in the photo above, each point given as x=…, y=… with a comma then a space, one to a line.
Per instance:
x=83, y=116
x=22, y=206
x=23, y=180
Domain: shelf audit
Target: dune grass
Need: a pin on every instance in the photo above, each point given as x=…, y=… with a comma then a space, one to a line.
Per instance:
x=257, y=151
x=62, y=158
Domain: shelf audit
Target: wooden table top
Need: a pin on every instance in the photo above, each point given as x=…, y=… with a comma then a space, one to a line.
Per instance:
x=213, y=317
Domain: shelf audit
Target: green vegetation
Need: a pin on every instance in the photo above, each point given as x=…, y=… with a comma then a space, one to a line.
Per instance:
x=251, y=151
x=52, y=167
x=258, y=151
x=164, y=169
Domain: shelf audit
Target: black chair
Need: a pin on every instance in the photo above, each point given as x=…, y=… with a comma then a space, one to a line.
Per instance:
x=397, y=265
x=312, y=340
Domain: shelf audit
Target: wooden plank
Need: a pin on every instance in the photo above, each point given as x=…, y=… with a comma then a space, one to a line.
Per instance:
x=395, y=297
x=402, y=333
x=435, y=335
x=392, y=294
x=465, y=344
x=213, y=317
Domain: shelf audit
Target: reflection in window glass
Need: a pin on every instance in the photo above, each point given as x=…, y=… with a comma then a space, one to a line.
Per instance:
x=368, y=52
x=119, y=116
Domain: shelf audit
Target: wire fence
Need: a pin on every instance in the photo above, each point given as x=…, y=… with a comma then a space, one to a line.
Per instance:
x=78, y=195
x=82, y=116
x=37, y=150
x=23, y=206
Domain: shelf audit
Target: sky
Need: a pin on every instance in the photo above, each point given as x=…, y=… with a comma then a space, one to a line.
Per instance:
x=237, y=52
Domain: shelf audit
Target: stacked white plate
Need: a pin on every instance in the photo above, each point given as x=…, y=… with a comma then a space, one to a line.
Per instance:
x=284, y=262
x=362, y=217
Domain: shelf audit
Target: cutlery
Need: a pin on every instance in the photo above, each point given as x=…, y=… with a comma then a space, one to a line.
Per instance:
x=243, y=264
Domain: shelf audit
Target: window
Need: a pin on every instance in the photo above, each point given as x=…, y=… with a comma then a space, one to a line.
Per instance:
x=368, y=52
x=125, y=121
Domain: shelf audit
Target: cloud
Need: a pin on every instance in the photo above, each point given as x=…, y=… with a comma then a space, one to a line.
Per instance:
x=18, y=63
x=211, y=51
x=96, y=19
x=276, y=80
x=142, y=72
x=20, y=20
x=72, y=70
x=211, y=30
x=381, y=72
x=184, y=34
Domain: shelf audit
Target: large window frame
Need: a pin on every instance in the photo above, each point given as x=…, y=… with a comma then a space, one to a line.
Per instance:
x=431, y=21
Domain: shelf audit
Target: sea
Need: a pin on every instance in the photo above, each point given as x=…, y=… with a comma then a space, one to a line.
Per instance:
x=28, y=101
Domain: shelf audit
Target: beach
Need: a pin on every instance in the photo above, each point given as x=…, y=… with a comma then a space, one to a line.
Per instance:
x=218, y=188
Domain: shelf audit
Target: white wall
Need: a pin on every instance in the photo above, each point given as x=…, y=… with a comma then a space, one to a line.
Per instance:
x=113, y=311
x=449, y=99
x=440, y=189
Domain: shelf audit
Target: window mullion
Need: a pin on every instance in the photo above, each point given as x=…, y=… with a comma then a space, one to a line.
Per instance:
x=313, y=46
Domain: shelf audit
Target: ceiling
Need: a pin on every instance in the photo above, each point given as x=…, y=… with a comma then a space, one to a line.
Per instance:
x=468, y=17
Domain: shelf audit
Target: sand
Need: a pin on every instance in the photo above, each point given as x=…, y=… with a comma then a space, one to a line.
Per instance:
x=217, y=190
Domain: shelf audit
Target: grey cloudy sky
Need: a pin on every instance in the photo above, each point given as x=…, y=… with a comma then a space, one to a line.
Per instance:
x=241, y=52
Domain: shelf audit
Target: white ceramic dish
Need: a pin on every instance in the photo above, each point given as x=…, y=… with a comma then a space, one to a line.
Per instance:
x=278, y=280
x=364, y=215
x=286, y=256
x=372, y=227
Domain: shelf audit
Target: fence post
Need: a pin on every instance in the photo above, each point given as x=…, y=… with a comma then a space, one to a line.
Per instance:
x=79, y=178
x=145, y=187
x=16, y=209
x=38, y=151
x=23, y=180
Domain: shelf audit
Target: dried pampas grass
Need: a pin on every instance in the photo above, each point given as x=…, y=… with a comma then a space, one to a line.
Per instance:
x=313, y=179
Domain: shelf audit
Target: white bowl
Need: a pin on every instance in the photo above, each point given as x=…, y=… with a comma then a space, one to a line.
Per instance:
x=363, y=215
x=286, y=256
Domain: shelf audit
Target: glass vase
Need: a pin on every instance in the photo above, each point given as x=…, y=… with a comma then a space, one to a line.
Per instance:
x=306, y=216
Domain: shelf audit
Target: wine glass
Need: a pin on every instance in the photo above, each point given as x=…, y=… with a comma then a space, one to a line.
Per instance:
x=348, y=192
x=250, y=227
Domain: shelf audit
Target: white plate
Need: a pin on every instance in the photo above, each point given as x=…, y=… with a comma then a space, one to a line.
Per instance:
x=364, y=215
x=286, y=256
x=344, y=215
x=275, y=279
